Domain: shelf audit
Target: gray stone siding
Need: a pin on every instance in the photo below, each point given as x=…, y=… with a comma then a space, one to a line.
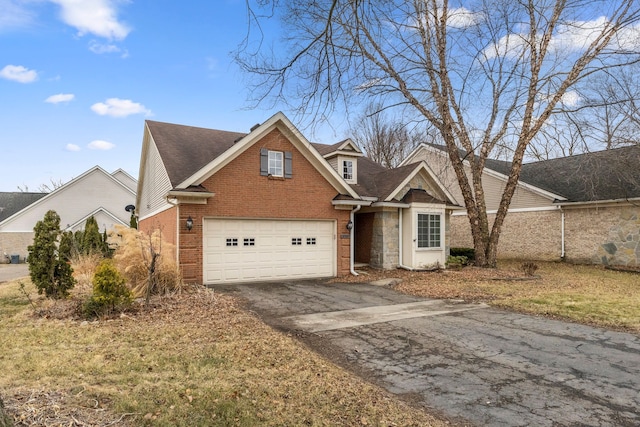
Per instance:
x=385, y=240
x=605, y=235
x=15, y=244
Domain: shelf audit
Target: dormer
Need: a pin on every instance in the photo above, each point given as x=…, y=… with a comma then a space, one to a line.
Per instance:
x=343, y=157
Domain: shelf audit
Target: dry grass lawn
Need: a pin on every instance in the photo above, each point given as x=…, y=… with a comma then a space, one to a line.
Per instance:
x=191, y=359
x=198, y=359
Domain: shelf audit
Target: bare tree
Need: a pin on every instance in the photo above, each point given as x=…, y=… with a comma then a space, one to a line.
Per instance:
x=44, y=188
x=603, y=114
x=385, y=140
x=484, y=73
x=609, y=116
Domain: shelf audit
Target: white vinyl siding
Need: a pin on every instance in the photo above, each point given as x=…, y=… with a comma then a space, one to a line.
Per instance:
x=153, y=198
x=78, y=198
x=493, y=186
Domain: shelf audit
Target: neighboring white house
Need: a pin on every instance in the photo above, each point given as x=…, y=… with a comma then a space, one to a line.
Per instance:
x=95, y=193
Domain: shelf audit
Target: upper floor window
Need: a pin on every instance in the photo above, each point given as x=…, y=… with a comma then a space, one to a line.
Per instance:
x=347, y=169
x=275, y=163
x=429, y=230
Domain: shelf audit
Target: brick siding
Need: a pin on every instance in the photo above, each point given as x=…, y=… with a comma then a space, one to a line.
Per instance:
x=241, y=192
x=15, y=243
x=525, y=235
x=599, y=235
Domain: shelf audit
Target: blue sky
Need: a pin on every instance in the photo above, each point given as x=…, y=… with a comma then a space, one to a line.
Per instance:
x=79, y=77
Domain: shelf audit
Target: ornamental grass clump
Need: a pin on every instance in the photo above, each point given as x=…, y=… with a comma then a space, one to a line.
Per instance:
x=146, y=262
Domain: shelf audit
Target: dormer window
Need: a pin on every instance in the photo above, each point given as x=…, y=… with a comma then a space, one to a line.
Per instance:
x=347, y=167
x=347, y=170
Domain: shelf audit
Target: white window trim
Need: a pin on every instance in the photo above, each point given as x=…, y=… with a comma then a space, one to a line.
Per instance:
x=354, y=168
x=441, y=231
x=281, y=161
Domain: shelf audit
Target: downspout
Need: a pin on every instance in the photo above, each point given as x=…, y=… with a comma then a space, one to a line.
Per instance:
x=562, y=253
x=352, y=251
x=177, y=227
x=400, y=260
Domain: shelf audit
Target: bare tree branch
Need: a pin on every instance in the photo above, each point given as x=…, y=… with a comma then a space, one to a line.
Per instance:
x=487, y=75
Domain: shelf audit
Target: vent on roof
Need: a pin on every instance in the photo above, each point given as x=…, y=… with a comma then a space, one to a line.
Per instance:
x=237, y=139
x=254, y=127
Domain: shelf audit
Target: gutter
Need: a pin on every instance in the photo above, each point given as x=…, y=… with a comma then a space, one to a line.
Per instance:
x=597, y=202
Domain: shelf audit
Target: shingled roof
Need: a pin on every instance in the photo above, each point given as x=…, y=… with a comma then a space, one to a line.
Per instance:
x=13, y=202
x=374, y=180
x=602, y=175
x=187, y=149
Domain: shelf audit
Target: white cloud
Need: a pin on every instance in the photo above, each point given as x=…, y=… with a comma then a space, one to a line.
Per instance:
x=72, y=147
x=61, y=97
x=577, y=35
x=572, y=36
x=511, y=45
x=14, y=15
x=100, y=145
x=571, y=98
x=18, y=73
x=461, y=17
x=98, y=17
x=116, y=107
x=101, y=48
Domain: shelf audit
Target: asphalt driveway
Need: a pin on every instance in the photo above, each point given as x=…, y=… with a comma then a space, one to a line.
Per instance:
x=469, y=362
x=13, y=271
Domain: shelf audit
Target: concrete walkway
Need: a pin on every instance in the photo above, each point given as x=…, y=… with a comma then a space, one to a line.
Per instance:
x=472, y=363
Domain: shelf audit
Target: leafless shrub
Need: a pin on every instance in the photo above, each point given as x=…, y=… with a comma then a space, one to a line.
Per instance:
x=146, y=262
x=529, y=268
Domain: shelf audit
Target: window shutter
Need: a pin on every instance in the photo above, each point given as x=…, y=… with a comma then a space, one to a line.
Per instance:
x=264, y=162
x=288, y=164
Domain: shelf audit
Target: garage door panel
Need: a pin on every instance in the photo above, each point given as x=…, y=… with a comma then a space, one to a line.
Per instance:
x=272, y=254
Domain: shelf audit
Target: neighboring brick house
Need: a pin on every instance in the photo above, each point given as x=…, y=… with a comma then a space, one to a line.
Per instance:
x=269, y=205
x=95, y=193
x=583, y=208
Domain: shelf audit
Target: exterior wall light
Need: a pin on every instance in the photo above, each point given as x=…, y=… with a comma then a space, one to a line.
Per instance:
x=189, y=223
x=349, y=225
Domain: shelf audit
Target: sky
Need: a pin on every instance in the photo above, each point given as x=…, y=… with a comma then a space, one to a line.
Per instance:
x=78, y=78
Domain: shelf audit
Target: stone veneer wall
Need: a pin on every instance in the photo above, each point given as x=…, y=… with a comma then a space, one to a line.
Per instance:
x=525, y=235
x=385, y=240
x=599, y=235
x=15, y=244
x=604, y=235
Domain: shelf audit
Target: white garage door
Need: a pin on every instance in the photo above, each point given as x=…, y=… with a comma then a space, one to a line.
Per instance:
x=241, y=250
